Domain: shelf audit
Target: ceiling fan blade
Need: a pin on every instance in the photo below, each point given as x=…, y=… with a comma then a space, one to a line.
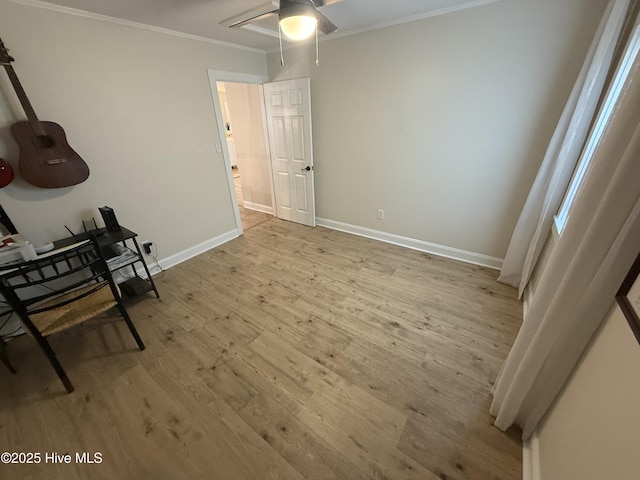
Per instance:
x=324, y=24
x=252, y=15
x=321, y=3
x=240, y=23
x=265, y=11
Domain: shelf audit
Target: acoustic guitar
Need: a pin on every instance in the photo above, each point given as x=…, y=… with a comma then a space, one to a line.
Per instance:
x=6, y=173
x=46, y=159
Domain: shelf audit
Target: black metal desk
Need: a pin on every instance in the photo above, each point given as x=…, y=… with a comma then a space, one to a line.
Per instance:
x=133, y=286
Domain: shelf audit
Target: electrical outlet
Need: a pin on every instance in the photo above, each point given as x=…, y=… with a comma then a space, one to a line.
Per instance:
x=146, y=247
x=380, y=214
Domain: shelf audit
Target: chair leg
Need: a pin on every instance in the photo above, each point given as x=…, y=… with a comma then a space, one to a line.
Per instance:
x=132, y=328
x=5, y=356
x=44, y=344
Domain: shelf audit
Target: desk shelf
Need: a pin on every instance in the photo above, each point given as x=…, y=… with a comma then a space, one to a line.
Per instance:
x=127, y=257
x=130, y=287
x=135, y=286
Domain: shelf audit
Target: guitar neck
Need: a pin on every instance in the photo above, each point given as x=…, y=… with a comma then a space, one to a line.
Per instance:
x=36, y=126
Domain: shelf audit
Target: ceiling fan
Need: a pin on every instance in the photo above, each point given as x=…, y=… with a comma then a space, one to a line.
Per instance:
x=298, y=19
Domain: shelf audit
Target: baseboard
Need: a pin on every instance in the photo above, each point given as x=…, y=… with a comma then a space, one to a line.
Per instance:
x=190, y=252
x=257, y=207
x=531, y=458
x=433, y=248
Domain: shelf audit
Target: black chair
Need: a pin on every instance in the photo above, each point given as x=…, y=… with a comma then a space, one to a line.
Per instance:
x=4, y=356
x=59, y=290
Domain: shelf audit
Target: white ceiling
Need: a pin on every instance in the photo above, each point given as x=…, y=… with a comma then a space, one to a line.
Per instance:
x=204, y=17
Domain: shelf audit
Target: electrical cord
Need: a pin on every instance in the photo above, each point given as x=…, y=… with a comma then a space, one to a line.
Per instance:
x=154, y=255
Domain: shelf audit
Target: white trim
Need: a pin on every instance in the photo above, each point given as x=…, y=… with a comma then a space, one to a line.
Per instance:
x=129, y=23
x=531, y=446
x=556, y=228
x=413, y=18
x=421, y=16
x=191, y=252
x=531, y=458
x=173, y=260
x=252, y=28
x=258, y=208
x=224, y=148
x=222, y=76
x=435, y=249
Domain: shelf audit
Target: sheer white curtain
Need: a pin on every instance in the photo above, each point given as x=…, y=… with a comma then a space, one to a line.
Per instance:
x=563, y=152
x=585, y=268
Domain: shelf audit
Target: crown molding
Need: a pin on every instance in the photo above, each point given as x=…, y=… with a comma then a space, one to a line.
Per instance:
x=434, y=13
x=129, y=23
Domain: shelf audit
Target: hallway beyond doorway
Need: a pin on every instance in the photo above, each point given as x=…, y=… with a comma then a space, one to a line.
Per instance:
x=249, y=218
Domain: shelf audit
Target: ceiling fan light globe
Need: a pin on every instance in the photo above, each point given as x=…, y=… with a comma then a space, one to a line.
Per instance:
x=298, y=27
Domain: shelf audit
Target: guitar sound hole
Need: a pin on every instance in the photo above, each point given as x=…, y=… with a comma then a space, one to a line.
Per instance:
x=43, y=141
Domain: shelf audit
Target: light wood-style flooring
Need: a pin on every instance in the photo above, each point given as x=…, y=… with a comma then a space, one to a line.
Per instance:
x=288, y=353
x=251, y=218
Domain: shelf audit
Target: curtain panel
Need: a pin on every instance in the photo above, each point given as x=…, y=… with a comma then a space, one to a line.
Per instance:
x=585, y=269
x=563, y=152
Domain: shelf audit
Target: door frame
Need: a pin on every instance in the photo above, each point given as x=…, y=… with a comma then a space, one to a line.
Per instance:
x=223, y=76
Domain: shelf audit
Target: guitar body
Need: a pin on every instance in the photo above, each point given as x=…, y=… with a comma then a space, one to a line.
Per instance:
x=6, y=173
x=47, y=161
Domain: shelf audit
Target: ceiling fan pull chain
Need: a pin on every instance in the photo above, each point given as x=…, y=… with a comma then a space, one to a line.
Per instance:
x=280, y=38
x=317, y=54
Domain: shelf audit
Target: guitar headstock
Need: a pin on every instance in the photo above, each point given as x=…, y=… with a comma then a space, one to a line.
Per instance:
x=5, y=58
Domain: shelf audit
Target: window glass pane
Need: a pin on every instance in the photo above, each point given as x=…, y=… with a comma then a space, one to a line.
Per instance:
x=598, y=130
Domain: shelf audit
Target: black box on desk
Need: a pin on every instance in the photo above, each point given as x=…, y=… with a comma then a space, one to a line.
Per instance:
x=110, y=220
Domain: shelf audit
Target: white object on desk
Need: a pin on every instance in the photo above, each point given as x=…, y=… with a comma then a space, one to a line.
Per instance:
x=28, y=252
x=63, y=249
x=15, y=248
x=47, y=247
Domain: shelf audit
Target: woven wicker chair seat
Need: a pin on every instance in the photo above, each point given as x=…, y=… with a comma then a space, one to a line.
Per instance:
x=66, y=316
x=73, y=284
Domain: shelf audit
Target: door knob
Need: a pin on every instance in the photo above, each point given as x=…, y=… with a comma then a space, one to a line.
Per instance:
x=307, y=169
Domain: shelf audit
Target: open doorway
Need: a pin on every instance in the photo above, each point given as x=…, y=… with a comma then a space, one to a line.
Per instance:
x=275, y=167
x=239, y=105
x=221, y=88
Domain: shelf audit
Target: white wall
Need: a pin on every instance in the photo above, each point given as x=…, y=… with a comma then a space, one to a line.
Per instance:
x=442, y=122
x=591, y=432
x=137, y=106
x=245, y=108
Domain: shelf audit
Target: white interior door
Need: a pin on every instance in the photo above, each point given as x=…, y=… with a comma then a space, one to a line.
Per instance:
x=288, y=110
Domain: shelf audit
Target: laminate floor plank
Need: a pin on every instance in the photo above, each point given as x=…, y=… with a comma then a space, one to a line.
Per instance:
x=302, y=447
x=287, y=353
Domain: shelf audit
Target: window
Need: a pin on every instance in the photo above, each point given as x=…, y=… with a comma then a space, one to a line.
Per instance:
x=596, y=133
